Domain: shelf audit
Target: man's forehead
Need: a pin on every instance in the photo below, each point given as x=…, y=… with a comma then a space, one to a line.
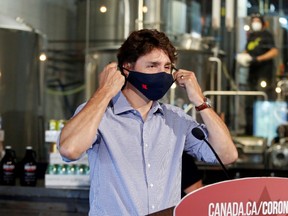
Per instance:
x=256, y=19
x=155, y=56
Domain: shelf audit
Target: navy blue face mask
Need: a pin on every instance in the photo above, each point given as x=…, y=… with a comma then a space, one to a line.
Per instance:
x=153, y=86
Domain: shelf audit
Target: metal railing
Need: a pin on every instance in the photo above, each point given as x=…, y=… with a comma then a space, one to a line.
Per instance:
x=234, y=93
x=228, y=93
x=237, y=100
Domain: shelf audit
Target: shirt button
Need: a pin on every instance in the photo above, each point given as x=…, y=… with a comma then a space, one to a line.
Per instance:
x=151, y=185
x=146, y=145
x=148, y=165
x=152, y=206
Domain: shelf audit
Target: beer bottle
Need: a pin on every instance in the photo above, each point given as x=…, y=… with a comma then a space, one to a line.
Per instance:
x=8, y=167
x=28, y=168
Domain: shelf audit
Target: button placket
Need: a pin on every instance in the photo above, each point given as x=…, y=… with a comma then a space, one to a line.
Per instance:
x=147, y=148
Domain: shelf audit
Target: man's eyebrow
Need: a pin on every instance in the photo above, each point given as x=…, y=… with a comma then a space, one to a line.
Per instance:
x=153, y=62
x=158, y=63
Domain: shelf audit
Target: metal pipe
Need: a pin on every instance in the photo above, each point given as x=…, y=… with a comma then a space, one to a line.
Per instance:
x=237, y=93
x=234, y=93
x=126, y=18
x=139, y=21
x=219, y=80
x=280, y=85
x=87, y=75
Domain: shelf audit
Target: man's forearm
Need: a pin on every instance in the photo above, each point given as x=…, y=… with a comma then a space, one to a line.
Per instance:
x=272, y=53
x=78, y=134
x=219, y=136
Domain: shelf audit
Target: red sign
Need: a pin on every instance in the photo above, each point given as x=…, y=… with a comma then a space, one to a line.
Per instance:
x=240, y=197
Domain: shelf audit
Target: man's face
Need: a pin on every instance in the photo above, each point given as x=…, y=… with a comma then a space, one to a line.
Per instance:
x=256, y=19
x=256, y=24
x=154, y=62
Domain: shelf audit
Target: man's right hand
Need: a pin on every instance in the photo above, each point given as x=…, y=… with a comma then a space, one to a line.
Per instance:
x=111, y=79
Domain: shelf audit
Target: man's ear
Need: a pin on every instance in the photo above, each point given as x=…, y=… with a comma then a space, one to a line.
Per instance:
x=126, y=66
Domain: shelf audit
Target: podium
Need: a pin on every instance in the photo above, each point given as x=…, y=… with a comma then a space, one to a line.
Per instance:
x=239, y=197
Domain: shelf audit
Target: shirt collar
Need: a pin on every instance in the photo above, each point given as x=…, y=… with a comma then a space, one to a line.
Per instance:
x=157, y=108
x=121, y=105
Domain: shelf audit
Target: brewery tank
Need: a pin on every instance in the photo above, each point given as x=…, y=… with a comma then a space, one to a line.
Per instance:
x=21, y=84
x=106, y=23
x=106, y=32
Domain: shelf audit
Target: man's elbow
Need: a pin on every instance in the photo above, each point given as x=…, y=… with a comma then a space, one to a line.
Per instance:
x=69, y=152
x=231, y=157
x=234, y=156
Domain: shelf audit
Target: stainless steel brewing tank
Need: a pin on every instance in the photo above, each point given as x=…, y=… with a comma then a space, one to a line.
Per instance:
x=193, y=60
x=20, y=87
x=108, y=23
x=109, y=27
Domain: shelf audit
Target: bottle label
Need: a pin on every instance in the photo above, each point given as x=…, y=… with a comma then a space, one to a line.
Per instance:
x=8, y=177
x=30, y=168
x=29, y=177
x=8, y=167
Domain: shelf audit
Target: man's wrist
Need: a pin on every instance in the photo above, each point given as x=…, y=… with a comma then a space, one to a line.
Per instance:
x=254, y=60
x=204, y=105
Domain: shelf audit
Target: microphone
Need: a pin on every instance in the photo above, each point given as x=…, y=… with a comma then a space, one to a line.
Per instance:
x=198, y=133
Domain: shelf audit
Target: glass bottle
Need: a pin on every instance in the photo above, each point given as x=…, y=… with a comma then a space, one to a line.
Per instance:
x=8, y=167
x=28, y=168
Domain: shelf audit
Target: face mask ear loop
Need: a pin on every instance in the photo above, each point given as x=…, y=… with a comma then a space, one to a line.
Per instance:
x=120, y=68
x=176, y=69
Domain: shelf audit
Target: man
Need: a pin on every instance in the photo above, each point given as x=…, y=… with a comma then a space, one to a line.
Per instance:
x=261, y=51
x=261, y=47
x=134, y=143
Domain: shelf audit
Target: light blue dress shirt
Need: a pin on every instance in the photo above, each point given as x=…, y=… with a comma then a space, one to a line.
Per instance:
x=135, y=165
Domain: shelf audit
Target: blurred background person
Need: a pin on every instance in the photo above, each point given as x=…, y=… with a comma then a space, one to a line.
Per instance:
x=261, y=47
x=258, y=56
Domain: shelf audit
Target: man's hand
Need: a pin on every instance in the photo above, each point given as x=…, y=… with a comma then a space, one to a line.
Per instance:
x=188, y=80
x=244, y=59
x=111, y=79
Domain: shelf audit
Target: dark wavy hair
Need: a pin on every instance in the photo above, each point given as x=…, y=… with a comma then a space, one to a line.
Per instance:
x=142, y=42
